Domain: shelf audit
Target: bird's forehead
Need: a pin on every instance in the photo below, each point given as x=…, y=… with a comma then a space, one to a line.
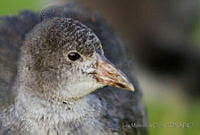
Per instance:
x=69, y=34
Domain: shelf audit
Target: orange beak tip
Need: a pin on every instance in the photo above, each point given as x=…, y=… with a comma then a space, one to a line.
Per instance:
x=131, y=88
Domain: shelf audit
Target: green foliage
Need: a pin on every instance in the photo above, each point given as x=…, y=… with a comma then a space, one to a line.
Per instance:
x=10, y=7
x=173, y=118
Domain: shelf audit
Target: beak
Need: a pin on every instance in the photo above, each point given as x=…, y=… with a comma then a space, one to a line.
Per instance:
x=108, y=74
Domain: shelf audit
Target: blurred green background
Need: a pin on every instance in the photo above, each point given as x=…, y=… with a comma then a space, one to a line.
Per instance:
x=169, y=111
x=10, y=7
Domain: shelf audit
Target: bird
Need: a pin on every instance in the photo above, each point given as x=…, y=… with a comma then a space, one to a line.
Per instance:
x=63, y=71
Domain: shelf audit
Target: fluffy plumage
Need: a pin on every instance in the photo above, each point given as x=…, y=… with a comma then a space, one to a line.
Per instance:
x=104, y=111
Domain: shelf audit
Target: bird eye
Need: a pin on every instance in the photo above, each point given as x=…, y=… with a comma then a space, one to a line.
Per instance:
x=73, y=56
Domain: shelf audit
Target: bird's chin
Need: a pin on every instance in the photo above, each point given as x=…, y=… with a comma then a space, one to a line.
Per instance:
x=79, y=90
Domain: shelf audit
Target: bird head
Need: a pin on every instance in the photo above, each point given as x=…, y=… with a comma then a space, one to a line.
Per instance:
x=65, y=60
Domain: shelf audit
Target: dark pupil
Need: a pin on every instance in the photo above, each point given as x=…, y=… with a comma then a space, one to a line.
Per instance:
x=73, y=56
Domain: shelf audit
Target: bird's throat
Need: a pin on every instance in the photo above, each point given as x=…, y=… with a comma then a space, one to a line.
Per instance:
x=32, y=108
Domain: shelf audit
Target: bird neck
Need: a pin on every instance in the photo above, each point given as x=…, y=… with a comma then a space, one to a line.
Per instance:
x=32, y=108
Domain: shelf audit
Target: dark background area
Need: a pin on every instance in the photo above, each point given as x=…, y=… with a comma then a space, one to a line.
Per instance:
x=159, y=36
